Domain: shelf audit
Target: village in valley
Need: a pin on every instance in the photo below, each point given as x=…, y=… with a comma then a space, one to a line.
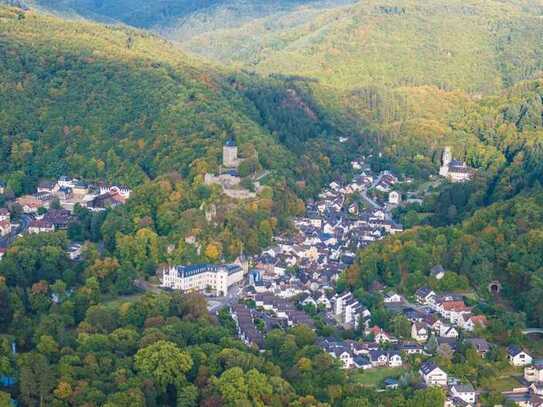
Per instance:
x=294, y=283
x=297, y=281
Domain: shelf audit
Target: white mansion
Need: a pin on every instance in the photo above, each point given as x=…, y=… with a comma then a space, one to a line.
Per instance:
x=214, y=278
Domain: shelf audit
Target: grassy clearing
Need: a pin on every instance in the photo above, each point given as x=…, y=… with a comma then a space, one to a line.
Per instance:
x=375, y=377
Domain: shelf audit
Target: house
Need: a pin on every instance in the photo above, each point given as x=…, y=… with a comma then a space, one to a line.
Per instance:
x=61, y=218
x=518, y=357
x=378, y=358
x=438, y=272
x=2, y=187
x=74, y=251
x=392, y=297
x=411, y=348
x=419, y=332
x=480, y=344
x=104, y=201
x=447, y=345
x=4, y=215
x=453, y=310
x=47, y=186
x=40, y=226
x=432, y=374
x=465, y=392
x=534, y=373
x=379, y=335
x=424, y=294
x=342, y=353
x=524, y=399
x=394, y=198
x=394, y=359
x=446, y=331
x=362, y=362
x=30, y=204
x=470, y=322
x=5, y=222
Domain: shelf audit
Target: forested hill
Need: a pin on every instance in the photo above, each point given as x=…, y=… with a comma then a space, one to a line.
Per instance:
x=485, y=231
x=478, y=46
x=114, y=103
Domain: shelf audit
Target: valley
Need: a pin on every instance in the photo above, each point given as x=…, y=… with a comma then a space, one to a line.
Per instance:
x=308, y=203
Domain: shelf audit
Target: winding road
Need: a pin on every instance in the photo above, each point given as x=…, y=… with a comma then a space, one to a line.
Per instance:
x=24, y=223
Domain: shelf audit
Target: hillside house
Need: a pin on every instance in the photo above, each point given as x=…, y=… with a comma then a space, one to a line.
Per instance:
x=534, y=373
x=433, y=375
x=518, y=357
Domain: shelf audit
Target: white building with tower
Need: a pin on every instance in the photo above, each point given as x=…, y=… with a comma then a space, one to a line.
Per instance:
x=454, y=170
x=212, y=278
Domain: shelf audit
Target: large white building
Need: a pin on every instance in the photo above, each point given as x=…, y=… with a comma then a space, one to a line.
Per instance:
x=214, y=278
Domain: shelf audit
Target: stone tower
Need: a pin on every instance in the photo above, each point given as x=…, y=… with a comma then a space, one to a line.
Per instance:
x=230, y=154
x=446, y=159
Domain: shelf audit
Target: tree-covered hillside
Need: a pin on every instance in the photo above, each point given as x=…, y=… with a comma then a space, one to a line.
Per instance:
x=485, y=231
x=114, y=103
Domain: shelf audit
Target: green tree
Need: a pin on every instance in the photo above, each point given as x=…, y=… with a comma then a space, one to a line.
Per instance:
x=164, y=363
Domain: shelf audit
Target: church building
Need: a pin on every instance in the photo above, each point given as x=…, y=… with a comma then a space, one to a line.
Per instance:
x=454, y=170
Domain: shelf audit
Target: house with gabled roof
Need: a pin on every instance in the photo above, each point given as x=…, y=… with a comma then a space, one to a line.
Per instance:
x=518, y=357
x=433, y=375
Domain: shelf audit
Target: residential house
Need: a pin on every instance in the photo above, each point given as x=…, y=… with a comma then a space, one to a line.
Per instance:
x=392, y=297
x=480, y=344
x=394, y=359
x=30, y=204
x=74, y=251
x=411, y=348
x=534, y=373
x=433, y=375
x=394, y=198
x=470, y=322
x=518, y=357
x=61, y=218
x=446, y=331
x=47, y=186
x=438, y=272
x=378, y=358
x=465, y=392
x=379, y=335
x=5, y=222
x=419, y=332
x=424, y=294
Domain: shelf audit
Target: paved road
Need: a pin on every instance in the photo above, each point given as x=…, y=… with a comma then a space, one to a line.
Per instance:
x=532, y=331
x=365, y=196
x=214, y=304
x=24, y=223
